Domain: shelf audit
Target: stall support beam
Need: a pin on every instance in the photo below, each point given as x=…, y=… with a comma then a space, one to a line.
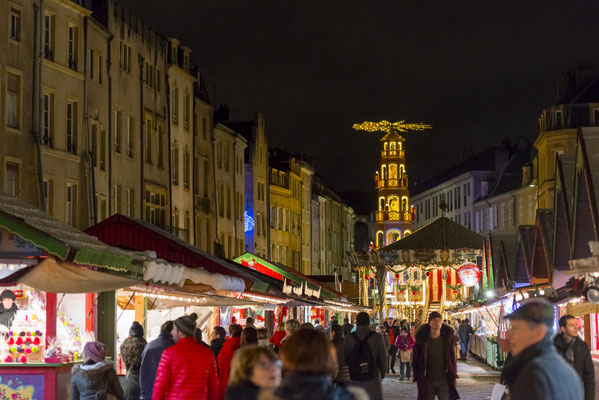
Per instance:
x=51, y=316
x=587, y=330
x=107, y=322
x=140, y=310
x=269, y=320
x=90, y=311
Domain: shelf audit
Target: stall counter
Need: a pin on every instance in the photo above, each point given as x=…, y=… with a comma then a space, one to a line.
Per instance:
x=35, y=381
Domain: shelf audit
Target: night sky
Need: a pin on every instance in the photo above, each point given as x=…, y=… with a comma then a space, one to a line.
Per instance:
x=478, y=71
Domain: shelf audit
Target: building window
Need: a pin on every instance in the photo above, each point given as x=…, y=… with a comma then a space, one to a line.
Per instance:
x=48, y=195
x=118, y=124
x=72, y=46
x=175, y=164
x=90, y=63
x=228, y=202
x=94, y=145
x=186, y=110
x=130, y=200
x=99, y=69
x=72, y=127
x=49, y=37
x=186, y=168
x=558, y=119
x=158, y=78
x=116, y=200
x=125, y=57
x=48, y=120
x=102, y=149
x=12, y=179
x=130, y=135
x=204, y=128
x=13, y=101
x=14, y=30
x=175, y=103
x=71, y=205
x=160, y=145
x=221, y=200
x=148, y=140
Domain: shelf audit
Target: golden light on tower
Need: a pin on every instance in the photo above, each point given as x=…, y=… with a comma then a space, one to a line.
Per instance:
x=386, y=126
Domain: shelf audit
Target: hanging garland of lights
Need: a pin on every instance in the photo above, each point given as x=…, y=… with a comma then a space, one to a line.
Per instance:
x=454, y=287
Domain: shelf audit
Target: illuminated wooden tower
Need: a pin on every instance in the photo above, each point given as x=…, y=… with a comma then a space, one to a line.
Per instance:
x=393, y=212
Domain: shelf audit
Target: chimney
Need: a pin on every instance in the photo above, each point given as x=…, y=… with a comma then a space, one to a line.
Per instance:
x=484, y=189
x=526, y=176
x=502, y=156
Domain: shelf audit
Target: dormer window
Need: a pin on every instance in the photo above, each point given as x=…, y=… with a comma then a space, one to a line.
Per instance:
x=186, y=61
x=558, y=119
x=174, y=51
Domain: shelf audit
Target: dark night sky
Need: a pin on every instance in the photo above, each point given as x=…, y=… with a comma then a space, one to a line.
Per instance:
x=478, y=71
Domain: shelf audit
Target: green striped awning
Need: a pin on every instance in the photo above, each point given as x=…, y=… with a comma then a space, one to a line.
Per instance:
x=38, y=238
x=101, y=258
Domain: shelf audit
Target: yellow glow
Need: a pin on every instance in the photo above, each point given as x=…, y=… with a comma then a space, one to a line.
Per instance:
x=386, y=126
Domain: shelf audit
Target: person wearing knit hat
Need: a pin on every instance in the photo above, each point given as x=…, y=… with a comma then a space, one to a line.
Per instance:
x=200, y=378
x=434, y=362
x=95, y=376
x=8, y=308
x=136, y=330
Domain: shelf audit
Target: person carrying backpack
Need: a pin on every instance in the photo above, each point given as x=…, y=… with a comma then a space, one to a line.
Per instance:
x=365, y=354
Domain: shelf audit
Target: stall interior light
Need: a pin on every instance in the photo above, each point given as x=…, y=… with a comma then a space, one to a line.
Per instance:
x=192, y=300
x=12, y=267
x=338, y=303
x=263, y=299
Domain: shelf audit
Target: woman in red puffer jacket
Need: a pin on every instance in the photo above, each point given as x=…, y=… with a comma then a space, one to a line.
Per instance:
x=278, y=336
x=187, y=370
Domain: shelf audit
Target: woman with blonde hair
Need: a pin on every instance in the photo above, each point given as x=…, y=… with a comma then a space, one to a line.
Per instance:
x=310, y=364
x=291, y=326
x=278, y=335
x=253, y=368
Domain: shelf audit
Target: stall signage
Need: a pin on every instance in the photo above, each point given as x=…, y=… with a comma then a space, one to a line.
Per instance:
x=582, y=309
x=22, y=387
x=469, y=274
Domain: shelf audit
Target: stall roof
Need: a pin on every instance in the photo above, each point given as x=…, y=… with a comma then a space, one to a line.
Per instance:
x=138, y=235
x=562, y=228
x=541, y=265
x=281, y=270
x=521, y=268
x=57, y=238
x=442, y=234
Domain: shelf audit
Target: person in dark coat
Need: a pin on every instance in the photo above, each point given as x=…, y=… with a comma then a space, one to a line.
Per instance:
x=577, y=353
x=374, y=386
x=347, y=327
x=150, y=359
x=434, y=363
x=464, y=333
x=253, y=368
x=310, y=364
x=537, y=371
x=218, y=339
x=8, y=308
x=95, y=375
x=337, y=338
x=131, y=352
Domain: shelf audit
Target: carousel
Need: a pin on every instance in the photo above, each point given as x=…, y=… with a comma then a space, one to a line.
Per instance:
x=436, y=268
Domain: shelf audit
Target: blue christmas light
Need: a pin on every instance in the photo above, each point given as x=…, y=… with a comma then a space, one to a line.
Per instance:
x=248, y=222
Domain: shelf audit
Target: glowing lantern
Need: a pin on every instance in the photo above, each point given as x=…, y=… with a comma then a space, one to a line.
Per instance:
x=469, y=274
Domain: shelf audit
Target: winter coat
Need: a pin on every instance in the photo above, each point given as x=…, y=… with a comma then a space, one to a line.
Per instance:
x=89, y=379
x=131, y=385
x=374, y=386
x=347, y=329
x=266, y=343
x=296, y=386
x=186, y=371
x=464, y=333
x=393, y=332
x=403, y=347
x=583, y=363
x=420, y=356
x=224, y=364
x=7, y=316
x=540, y=373
x=386, y=341
x=277, y=337
x=343, y=368
x=150, y=359
x=216, y=346
x=242, y=391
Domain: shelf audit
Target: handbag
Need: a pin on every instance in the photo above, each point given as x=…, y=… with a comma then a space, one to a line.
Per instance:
x=405, y=356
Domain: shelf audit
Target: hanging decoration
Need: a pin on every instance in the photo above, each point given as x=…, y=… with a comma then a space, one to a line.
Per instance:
x=454, y=287
x=469, y=274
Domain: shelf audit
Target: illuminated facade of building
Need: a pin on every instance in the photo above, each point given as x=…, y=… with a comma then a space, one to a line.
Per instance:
x=393, y=215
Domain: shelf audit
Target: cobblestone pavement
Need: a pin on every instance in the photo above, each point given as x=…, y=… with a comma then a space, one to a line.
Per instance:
x=475, y=382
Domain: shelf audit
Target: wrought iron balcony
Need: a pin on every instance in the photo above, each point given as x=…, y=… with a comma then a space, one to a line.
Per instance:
x=393, y=216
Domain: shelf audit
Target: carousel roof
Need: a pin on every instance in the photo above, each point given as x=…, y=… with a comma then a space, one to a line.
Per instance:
x=441, y=234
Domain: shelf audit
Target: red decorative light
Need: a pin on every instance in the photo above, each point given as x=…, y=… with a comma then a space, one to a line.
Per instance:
x=469, y=274
x=428, y=273
x=401, y=291
x=396, y=276
x=414, y=292
x=367, y=277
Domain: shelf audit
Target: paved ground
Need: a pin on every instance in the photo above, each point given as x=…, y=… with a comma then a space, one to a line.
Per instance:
x=475, y=383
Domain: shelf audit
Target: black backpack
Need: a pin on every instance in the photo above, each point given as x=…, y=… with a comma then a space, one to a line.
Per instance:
x=360, y=360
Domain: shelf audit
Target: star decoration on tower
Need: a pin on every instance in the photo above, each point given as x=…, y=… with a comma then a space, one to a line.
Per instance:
x=386, y=126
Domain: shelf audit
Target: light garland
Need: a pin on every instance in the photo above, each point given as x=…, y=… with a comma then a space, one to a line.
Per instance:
x=386, y=126
x=270, y=300
x=158, y=294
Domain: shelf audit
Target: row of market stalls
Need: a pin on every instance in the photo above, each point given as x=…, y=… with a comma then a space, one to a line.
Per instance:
x=65, y=287
x=556, y=258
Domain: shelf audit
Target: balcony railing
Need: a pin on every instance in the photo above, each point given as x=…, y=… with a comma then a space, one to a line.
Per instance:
x=393, y=153
x=395, y=216
x=391, y=183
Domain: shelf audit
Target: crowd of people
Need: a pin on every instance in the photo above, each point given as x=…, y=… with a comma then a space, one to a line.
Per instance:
x=318, y=361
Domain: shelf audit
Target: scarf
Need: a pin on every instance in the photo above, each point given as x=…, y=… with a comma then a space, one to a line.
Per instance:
x=570, y=351
x=404, y=340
